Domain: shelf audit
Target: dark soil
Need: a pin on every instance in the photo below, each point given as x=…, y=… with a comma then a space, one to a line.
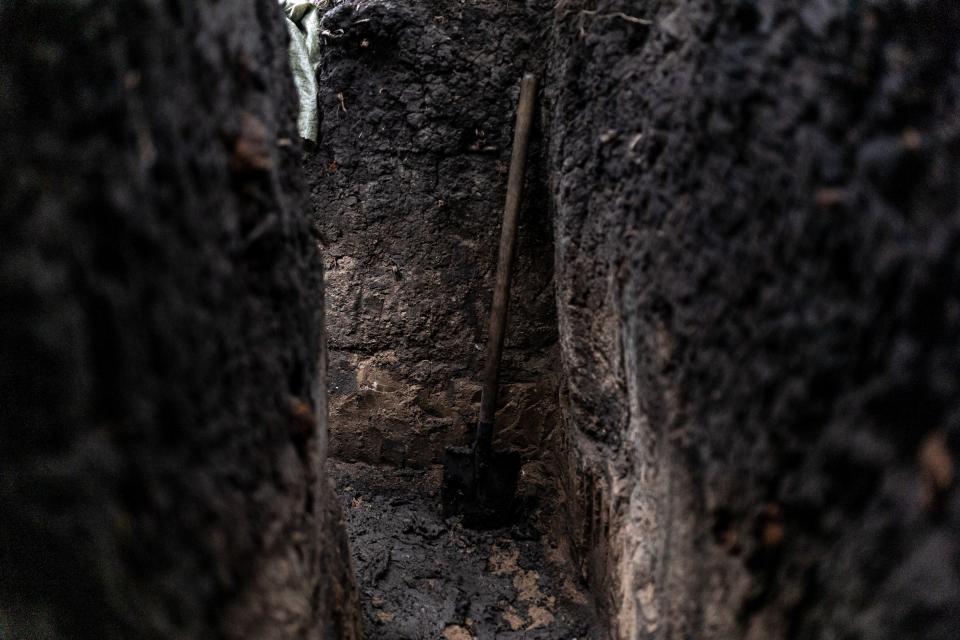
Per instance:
x=425, y=577
x=160, y=329
x=408, y=183
x=756, y=230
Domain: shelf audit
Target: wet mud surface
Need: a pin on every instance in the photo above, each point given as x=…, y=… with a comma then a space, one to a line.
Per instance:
x=425, y=577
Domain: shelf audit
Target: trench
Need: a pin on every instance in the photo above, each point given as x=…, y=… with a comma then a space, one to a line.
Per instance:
x=731, y=361
x=408, y=180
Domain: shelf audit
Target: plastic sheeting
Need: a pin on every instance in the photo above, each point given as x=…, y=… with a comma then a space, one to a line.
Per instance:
x=303, y=23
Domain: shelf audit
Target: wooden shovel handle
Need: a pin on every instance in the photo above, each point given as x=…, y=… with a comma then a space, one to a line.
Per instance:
x=508, y=235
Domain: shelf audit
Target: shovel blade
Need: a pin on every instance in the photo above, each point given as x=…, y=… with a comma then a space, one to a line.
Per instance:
x=481, y=490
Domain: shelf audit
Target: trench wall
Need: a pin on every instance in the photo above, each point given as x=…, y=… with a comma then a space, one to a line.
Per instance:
x=408, y=183
x=757, y=234
x=162, y=414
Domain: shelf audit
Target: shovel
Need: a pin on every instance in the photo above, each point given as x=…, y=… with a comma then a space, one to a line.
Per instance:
x=478, y=482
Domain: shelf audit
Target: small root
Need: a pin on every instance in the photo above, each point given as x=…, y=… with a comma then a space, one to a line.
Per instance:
x=596, y=14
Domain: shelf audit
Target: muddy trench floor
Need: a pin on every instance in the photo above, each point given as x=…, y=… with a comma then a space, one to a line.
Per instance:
x=421, y=576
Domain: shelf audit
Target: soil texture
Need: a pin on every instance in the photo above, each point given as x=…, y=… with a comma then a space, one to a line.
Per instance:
x=756, y=240
x=161, y=354
x=418, y=101
x=425, y=577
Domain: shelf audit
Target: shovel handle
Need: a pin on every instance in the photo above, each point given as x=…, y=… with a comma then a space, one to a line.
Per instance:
x=508, y=236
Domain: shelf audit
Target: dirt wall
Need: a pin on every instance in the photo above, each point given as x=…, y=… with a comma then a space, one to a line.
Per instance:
x=757, y=239
x=408, y=183
x=162, y=415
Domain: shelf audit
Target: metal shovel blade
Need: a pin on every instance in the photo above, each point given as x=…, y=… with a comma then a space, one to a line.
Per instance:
x=482, y=488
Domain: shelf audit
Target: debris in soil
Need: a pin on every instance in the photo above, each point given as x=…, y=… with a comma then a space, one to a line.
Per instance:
x=426, y=577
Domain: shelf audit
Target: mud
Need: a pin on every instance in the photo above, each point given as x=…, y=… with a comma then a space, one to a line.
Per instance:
x=425, y=577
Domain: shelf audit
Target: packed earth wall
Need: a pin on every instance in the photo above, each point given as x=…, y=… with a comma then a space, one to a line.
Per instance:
x=417, y=104
x=162, y=406
x=757, y=256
